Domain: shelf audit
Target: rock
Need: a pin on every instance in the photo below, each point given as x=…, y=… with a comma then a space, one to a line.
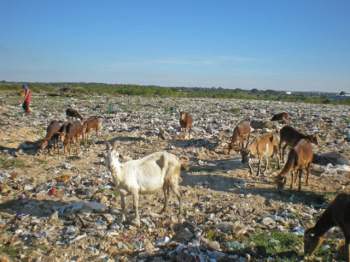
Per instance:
x=211, y=245
x=4, y=188
x=225, y=227
x=81, y=206
x=28, y=187
x=182, y=233
x=268, y=221
x=299, y=231
x=148, y=222
x=54, y=220
x=234, y=246
x=163, y=241
x=347, y=135
x=149, y=248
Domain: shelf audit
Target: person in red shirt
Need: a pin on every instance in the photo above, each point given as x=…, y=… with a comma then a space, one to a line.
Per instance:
x=27, y=98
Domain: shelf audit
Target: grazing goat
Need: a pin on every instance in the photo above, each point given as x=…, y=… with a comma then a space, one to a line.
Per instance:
x=51, y=135
x=73, y=132
x=186, y=122
x=336, y=214
x=281, y=117
x=291, y=137
x=92, y=123
x=299, y=159
x=265, y=146
x=73, y=114
x=241, y=133
x=145, y=175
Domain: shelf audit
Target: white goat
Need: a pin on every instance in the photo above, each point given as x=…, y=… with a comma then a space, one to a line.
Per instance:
x=145, y=175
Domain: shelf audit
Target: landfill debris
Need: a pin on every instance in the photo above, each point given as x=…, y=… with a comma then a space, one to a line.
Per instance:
x=66, y=208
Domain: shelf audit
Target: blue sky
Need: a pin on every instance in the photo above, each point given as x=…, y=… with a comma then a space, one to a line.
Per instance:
x=280, y=44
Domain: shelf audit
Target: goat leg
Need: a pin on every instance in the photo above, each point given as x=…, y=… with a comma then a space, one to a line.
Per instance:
x=175, y=189
x=259, y=166
x=280, y=149
x=166, y=196
x=300, y=173
x=283, y=151
x=267, y=165
x=291, y=181
x=135, y=196
x=86, y=138
x=250, y=167
x=296, y=177
x=347, y=248
x=122, y=203
x=78, y=146
x=307, y=174
x=247, y=140
x=278, y=158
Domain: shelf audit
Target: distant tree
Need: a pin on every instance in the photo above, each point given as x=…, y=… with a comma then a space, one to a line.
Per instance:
x=254, y=90
x=342, y=93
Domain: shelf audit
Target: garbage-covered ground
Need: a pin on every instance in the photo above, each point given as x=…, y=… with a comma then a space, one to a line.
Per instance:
x=63, y=208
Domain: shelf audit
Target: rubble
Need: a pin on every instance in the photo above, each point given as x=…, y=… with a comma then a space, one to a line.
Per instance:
x=65, y=207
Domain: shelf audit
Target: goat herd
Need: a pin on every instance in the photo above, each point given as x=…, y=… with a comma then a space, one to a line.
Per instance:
x=70, y=132
x=161, y=170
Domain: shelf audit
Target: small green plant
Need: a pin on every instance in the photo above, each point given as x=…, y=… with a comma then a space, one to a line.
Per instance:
x=11, y=162
x=211, y=234
x=276, y=243
x=235, y=110
x=8, y=250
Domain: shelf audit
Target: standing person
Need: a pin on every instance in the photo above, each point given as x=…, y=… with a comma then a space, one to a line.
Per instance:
x=27, y=98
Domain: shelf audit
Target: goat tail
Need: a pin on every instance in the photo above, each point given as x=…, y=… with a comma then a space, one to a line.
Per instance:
x=292, y=160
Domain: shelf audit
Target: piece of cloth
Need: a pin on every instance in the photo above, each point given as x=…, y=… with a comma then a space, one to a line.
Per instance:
x=28, y=96
x=333, y=158
x=25, y=106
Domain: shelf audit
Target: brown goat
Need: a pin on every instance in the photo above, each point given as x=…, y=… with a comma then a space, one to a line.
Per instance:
x=73, y=132
x=336, y=214
x=73, y=114
x=299, y=159
x=186, y=122
x=51, y=135
x=291, y=137
x=265, y=146
x=281, y=117
x=92, y=123
x=241, y=133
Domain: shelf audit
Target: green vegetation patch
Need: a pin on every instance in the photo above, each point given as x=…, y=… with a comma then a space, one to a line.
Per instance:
x=11, y=162
x=10, y=251
x=277, y=243
x=84, y=89
x=235, y=110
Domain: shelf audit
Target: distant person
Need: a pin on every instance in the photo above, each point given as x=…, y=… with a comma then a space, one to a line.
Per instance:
x=27, y=98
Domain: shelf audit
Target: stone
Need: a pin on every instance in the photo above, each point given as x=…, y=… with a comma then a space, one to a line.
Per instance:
x=268, y=221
